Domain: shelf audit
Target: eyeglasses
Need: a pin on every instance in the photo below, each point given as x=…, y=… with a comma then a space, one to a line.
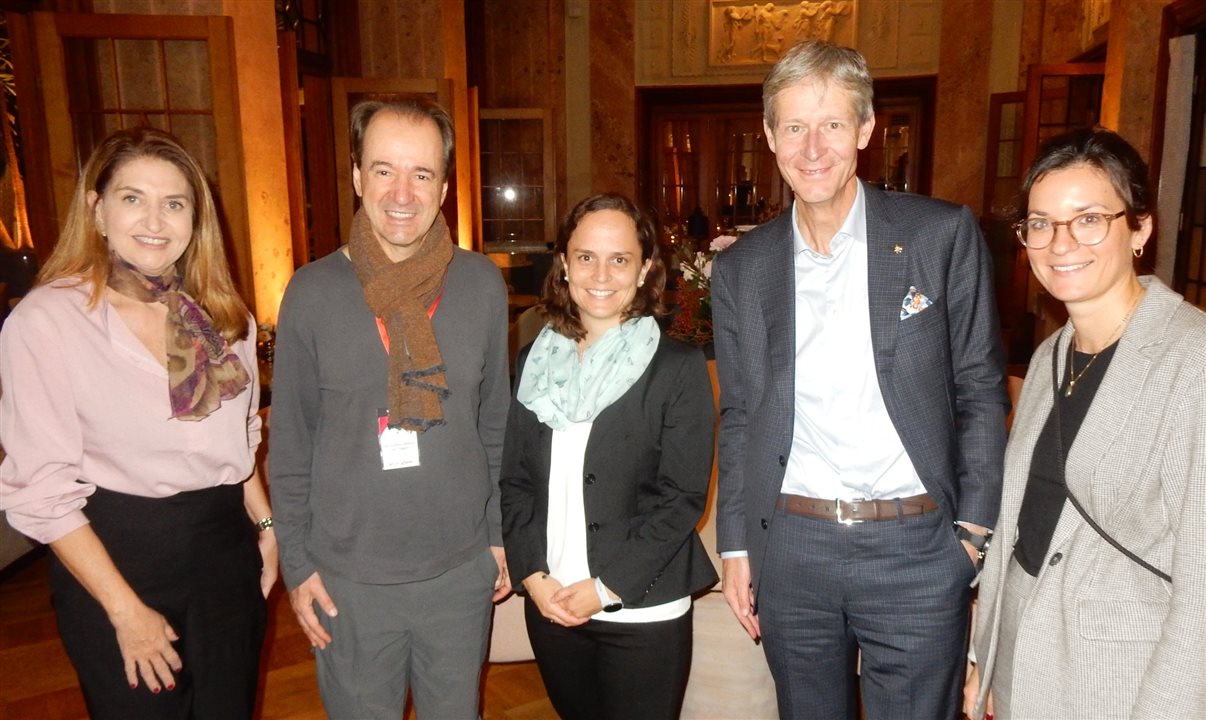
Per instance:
x=1089, y=228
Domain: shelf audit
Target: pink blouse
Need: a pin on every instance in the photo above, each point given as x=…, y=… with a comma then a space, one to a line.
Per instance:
x=83, y=404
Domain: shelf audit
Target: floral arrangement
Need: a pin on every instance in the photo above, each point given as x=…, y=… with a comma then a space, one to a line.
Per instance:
x=693, y=322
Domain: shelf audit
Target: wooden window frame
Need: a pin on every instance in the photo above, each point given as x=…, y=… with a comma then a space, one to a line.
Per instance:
x=548, y=170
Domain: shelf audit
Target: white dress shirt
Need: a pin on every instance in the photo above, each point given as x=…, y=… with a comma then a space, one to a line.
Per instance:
x=843, y=442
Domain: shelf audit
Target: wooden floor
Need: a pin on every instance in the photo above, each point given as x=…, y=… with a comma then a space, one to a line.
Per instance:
x=38, y=683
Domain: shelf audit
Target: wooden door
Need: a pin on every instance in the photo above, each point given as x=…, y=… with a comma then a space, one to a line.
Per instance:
x=1060, y=98
x=1002, y=177
x=1189, y=268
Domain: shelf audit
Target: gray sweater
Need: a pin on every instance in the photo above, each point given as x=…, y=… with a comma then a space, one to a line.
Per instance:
x=336, y=510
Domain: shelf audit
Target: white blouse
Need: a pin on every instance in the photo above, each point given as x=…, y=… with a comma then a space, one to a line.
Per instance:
x=566, y=526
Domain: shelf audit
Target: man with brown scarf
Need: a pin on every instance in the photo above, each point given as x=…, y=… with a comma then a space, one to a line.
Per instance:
x=390, y=397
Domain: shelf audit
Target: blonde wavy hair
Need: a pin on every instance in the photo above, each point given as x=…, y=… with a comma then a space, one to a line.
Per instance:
x=83, y=254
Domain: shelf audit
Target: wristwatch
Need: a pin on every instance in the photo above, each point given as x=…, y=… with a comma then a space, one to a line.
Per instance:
x=979, y=542
x=605, y=600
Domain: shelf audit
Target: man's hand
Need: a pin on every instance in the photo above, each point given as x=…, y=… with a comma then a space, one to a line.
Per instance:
x=541, y=588
x=302, y=598
x=502, y=586
x=972, y=552
x=739, y=594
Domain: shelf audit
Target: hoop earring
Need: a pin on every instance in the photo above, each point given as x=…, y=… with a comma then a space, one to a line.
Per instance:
x=1137, y=252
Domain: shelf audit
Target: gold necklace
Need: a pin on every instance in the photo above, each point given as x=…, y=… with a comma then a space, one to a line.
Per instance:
x=1072, y=382
x=1113, y=336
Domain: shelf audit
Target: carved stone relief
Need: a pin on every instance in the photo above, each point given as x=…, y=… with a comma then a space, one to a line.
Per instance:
x=881, y=32
x=682, y=42
x=745, y=33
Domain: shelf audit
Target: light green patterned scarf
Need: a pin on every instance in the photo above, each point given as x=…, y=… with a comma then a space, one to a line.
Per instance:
x=561, y=390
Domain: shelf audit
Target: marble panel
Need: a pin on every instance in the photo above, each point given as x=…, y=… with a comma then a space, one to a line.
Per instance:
x=613, y=97
x=962, y=103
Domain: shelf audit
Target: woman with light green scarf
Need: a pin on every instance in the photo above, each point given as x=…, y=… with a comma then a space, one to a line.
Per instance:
x=605, y=475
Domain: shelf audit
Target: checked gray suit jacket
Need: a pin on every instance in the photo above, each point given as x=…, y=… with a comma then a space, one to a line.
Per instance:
x=941, y=371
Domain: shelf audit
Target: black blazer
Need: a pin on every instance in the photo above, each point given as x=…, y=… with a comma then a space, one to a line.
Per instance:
x=644, y=483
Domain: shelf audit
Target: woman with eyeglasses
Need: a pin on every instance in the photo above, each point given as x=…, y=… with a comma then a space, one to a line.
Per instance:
x=1093, y=594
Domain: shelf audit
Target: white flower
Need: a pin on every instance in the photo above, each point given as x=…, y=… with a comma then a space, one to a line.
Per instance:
x=720, y=242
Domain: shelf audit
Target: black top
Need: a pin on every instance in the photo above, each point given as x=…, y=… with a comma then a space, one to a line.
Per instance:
x=1045, y=489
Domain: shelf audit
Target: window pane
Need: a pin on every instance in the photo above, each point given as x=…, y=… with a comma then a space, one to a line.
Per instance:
x=188, y=74
x=140, y=74
x=197, y=134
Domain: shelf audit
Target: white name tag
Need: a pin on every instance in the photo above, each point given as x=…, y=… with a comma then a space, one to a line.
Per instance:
x=399, y=448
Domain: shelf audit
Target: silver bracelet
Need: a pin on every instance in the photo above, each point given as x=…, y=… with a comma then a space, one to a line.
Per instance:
x=265, y=523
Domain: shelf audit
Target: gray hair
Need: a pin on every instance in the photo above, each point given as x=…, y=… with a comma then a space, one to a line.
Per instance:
x=820, y=61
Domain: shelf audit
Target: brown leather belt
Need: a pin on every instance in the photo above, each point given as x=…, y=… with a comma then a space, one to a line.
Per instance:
x=849, y=512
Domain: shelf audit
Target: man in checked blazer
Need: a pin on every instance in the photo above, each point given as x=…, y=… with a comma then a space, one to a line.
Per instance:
x=863, y=404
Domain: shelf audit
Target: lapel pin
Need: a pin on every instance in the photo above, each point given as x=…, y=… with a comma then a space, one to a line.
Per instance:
x=898, y=248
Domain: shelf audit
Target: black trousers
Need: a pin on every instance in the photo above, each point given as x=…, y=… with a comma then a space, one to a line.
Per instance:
x=193, y=558
x=611, y=670
x=895, y=589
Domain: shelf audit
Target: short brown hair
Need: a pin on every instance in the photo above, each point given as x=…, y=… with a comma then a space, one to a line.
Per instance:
x=555, y=301
x=83, y=253
x=417, y=108
x=1106, y=152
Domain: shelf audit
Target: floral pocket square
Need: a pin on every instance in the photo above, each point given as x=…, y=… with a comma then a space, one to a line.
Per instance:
x=914, y=303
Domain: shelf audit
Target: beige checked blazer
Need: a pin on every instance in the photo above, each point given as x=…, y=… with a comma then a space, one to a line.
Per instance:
x=1100, y=636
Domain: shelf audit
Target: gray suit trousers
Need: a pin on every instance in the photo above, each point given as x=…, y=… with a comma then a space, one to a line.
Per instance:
x=428, y=636
x=896, y=589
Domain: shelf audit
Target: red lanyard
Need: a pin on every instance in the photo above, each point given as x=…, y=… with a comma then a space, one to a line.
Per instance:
x=381, y=323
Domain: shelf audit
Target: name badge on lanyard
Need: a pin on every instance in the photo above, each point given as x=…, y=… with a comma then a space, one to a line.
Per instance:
x=399, y=448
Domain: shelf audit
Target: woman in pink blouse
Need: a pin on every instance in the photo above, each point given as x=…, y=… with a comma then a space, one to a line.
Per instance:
x=129, y=419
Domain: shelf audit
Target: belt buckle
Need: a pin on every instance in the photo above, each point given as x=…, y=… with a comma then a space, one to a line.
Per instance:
x=838, y=510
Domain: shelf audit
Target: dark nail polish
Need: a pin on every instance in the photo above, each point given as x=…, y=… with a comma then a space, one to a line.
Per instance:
x=155, y=691
x=171, y=688
x=133, y=686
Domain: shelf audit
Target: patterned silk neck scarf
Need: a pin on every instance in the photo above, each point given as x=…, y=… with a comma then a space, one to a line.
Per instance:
x=202, y=369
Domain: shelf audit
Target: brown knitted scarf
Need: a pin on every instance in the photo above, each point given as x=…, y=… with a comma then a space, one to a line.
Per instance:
x=399, y=293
